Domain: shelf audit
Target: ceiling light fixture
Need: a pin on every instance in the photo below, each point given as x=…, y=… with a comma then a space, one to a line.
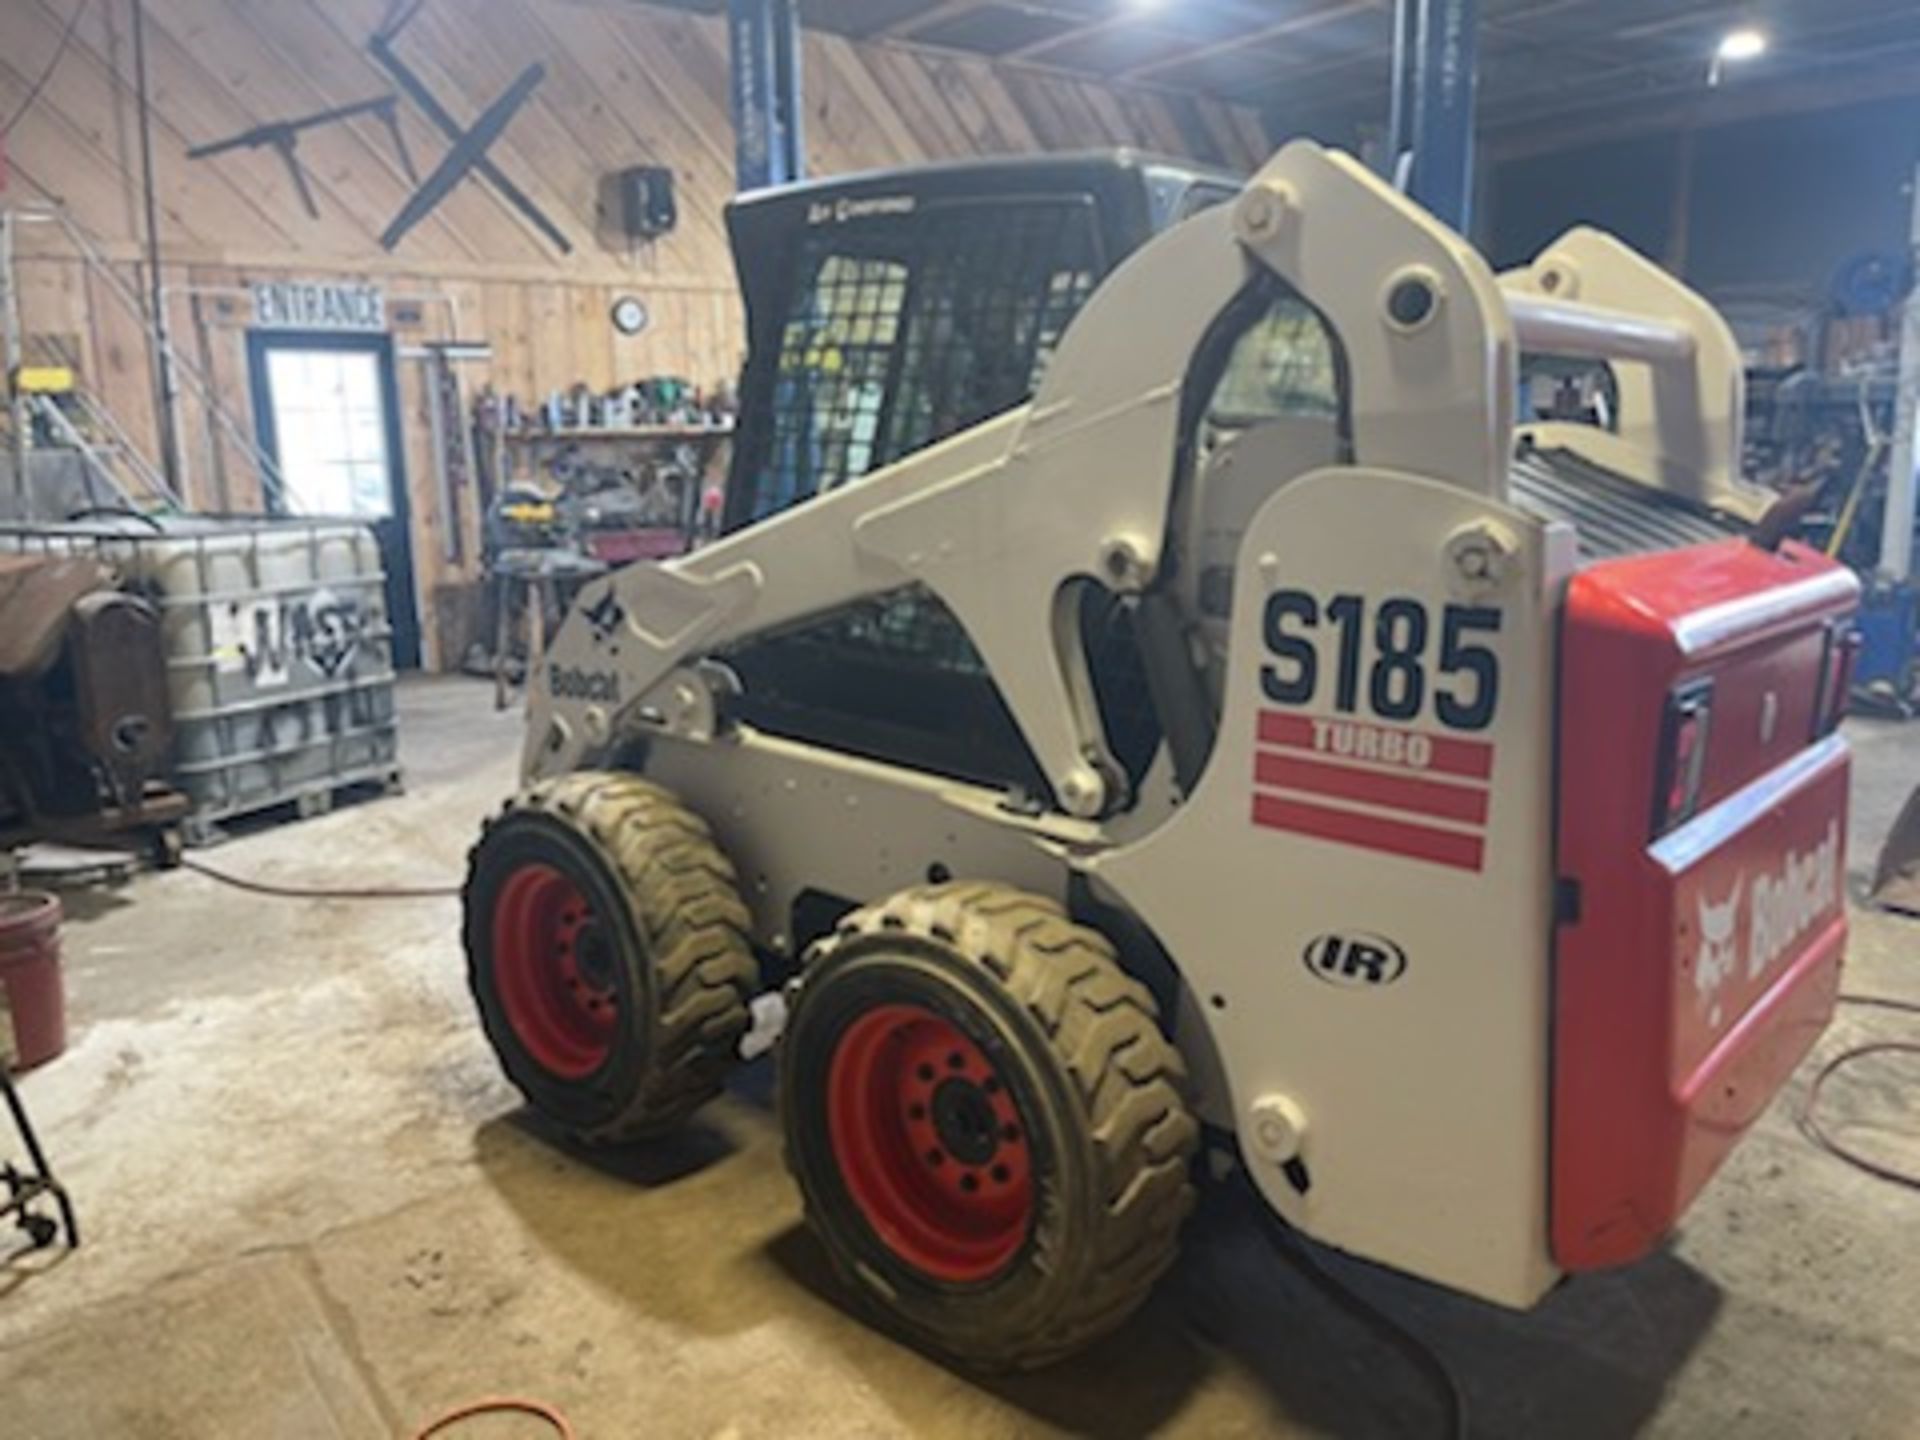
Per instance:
x=1735, y=47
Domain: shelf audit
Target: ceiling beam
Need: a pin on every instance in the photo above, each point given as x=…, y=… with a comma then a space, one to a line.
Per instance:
x=1293, y=26
x=1692, y=108
x=1035, y=48
x=938, y=14
x=1320, y=71
x=1541, y=102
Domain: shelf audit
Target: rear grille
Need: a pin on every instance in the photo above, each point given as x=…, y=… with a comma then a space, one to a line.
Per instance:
x=1612, y=515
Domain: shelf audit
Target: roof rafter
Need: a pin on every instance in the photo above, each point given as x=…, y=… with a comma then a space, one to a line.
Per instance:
x=1293, y=25
x=935, y=15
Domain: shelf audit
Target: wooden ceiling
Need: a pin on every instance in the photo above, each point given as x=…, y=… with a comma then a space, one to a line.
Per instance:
x=1548, y=67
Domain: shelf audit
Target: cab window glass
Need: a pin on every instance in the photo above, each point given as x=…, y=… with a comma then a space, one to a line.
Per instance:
x=1283, y=364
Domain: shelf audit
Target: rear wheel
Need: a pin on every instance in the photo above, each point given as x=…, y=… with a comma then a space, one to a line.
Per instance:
x=986, y=1123
x=607, y=950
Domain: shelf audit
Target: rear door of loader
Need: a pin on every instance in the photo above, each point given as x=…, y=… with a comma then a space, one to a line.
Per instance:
x=1701, y=836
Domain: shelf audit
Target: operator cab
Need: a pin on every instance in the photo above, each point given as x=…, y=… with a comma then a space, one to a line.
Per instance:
x=887, y=312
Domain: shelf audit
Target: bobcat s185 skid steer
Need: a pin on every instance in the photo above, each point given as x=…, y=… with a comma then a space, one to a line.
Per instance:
x=1163, y=672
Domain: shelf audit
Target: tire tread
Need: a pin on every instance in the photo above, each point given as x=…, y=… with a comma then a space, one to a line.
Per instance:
x=685, y=901
x=1102, y=1025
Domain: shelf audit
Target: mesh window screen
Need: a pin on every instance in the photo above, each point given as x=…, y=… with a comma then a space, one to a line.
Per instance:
x=836, y=352
x=904, y=329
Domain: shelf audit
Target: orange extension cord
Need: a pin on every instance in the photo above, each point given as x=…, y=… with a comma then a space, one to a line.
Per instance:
x=500, y=1405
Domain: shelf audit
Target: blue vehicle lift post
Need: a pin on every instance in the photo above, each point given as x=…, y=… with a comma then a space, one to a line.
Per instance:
x=1436, y=60
x=763, y=46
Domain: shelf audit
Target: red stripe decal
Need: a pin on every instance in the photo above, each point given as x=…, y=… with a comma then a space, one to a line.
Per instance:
x=1437, y=798
x=1381, y=744
x=1369, y=832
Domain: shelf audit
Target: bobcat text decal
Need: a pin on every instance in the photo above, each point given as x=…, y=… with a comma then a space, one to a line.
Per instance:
x=1781, y=907
x=570, y=682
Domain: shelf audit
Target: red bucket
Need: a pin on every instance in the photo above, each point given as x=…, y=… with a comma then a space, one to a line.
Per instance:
x=33, y=1002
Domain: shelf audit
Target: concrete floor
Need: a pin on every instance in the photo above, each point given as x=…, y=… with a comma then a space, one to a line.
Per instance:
x=314, y=1209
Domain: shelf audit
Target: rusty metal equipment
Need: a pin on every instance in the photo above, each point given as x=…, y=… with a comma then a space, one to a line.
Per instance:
x=86, y=729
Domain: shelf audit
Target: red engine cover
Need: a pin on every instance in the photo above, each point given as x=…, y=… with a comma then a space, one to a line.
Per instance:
x=1693, y=970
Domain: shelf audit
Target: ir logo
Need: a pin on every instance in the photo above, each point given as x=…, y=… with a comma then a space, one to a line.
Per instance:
x=1357, y=960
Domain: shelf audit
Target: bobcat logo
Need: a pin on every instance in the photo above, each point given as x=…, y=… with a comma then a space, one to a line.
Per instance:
x=1713, y=962
x=1784, y=906
x=605, y=616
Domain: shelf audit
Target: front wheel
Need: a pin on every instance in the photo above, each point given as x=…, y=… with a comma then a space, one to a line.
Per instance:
x=607, y=950
x=986, y=1123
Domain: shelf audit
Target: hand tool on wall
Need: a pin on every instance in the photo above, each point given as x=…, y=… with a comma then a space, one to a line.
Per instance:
x=472, y=157
x=469, y=153
x=452, y=441
x=284, y=136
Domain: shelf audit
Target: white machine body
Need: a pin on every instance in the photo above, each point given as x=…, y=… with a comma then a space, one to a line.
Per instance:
x=1358, y=890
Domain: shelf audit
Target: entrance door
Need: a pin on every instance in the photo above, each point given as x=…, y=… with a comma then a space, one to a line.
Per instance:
x=327, y=413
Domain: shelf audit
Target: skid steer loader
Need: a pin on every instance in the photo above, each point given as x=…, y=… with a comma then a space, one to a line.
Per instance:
x=1161, y=673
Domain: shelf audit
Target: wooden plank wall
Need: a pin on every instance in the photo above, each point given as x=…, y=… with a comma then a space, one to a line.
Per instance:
x=627, y=84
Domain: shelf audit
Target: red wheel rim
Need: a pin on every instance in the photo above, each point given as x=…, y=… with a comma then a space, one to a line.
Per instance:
x=553, y=964
x=932, y=1147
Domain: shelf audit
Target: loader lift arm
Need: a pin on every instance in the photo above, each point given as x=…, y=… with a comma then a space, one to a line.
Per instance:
x=1080, y=483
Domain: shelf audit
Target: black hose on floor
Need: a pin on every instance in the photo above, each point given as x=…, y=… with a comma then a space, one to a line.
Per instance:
x=308, y=892
x=1421, y=1356
x=1810, y=1123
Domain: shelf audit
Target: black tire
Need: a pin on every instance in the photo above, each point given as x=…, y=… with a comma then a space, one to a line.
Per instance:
x=673, y=967
x=1099, y=1092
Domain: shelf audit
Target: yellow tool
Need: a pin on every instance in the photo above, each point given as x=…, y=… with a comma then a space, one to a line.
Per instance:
x=43, y=380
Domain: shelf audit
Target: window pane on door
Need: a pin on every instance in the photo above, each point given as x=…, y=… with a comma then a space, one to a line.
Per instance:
x=331, y=428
